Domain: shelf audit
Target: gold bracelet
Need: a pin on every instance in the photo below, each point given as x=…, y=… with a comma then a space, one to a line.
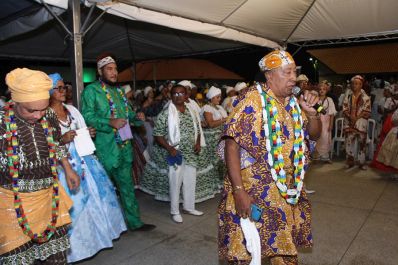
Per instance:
x=237, y=188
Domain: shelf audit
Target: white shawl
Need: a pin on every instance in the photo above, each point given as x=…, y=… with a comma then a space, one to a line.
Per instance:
x=173, y=123
x=196, y=110
x=76, y=115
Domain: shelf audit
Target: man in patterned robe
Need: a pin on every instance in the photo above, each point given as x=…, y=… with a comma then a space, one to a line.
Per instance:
x=283, y=225
x=105, y=108
x=356, y=111
x=35, y=182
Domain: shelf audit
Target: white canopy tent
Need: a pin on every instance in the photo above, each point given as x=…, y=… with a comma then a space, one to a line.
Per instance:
x=268, y=23
x=225, y=23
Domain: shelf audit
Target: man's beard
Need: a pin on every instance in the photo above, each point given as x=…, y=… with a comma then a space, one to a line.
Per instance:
x=107, y=81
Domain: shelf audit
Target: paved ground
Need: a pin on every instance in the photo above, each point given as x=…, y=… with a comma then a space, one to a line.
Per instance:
x=355, y=222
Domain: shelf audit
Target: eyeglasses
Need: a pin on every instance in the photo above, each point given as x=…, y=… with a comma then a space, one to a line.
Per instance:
x=179, y=94
x=60, y=88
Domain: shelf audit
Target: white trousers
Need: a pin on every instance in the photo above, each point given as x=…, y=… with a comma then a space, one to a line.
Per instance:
x=185, y=176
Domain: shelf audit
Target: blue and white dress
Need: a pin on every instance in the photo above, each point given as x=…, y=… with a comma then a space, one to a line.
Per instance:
x=97, y=218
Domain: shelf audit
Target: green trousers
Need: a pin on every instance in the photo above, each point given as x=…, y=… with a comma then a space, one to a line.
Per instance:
x=121, y=177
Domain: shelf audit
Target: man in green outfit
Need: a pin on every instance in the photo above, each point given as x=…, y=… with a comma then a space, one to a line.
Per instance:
x=105, y=107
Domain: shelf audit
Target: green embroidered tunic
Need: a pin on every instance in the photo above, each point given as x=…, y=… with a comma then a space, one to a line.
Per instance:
x=96, y=112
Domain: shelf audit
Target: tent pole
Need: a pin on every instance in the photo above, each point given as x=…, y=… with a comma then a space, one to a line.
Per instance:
x=88, y=17
x=298, y=49
x=57, y=18
x=77, y=51
x=134, y=68
x=93, y=23
x=133, y=65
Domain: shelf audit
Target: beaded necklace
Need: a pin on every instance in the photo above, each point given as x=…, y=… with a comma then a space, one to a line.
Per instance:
x=113, y=109
x=68, y=126
x=13, y=164
x=69, y=119
x=273, y=133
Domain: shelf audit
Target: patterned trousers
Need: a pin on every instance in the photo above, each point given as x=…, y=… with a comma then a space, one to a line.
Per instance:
x=350, y=140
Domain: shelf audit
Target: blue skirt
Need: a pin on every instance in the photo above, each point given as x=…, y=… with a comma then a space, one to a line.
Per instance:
x=97, y=218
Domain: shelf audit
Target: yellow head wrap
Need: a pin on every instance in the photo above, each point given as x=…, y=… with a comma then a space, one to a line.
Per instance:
x=275, y=59
x=28, y=85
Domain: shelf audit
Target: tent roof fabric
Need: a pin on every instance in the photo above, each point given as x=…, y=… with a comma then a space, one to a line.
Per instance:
x=269, y=20
x=129, y=40
x=137, y=30
x=381, y=58
x=177, y=69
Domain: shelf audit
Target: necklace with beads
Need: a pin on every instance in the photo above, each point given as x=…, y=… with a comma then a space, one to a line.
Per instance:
x=66, y=124
x=13, y=165
x=273, y=133
x=113, y=109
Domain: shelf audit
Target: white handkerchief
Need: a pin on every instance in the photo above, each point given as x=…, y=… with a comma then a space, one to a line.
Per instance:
x=253, y=243
x=83, y=142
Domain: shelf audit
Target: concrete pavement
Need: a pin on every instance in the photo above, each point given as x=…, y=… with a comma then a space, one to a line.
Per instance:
x=355, y=222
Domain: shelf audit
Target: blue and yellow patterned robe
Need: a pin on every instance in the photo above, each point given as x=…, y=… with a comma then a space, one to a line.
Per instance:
x=282, y=227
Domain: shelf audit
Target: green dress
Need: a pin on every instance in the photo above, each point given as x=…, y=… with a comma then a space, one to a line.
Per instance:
x=155, y=179
x=212, y=135
x=116, y=157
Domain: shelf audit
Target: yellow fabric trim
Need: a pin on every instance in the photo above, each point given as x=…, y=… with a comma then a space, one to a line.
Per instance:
x=37, y=207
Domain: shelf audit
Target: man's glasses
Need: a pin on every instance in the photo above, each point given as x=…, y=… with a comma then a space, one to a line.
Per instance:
x=179, y=94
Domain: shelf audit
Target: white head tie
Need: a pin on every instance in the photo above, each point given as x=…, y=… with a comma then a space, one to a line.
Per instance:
x=185, y=83
x=213, y=91
x=104, y=61
x=147, y=90
x=239, y=86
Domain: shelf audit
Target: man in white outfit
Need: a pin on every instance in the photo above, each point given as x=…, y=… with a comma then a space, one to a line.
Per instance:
x=177, y=129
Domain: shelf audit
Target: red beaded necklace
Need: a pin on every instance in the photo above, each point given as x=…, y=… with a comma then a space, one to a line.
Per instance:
x=13, y=164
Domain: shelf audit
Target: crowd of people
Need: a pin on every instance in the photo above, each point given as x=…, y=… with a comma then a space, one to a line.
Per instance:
x=68, y=178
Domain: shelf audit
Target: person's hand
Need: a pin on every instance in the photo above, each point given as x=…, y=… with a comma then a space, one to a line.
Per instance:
x=172, y=151
x=196, y=148
x=92, y=131
x=117, y=123
x=242, y=203
x=72, y=179
x=307, y=101
x=141, y=116
x=68, y=137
